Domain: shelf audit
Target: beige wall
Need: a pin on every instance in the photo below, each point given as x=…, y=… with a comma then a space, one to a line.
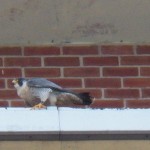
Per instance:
x=76, y=145
x=42, y=21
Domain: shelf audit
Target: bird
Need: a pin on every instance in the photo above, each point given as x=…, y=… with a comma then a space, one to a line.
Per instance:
x=39, y=93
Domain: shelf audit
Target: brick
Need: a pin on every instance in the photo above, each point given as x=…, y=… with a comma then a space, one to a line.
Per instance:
x=96, y=93
x=81, y=72
x=8, y=94
x=41, y=50
x=143, y=49
x=22, y=61
x=80, y=50
x=61, y=61
x=4, y=103
x=145, y=71
x=121, y=93
x=146, y=93
x=18, y=103
x=136, y=82
x=1, y=62
x=68, y=83
x=42, y=72
x=2, y=83
x=117, y=49
x=138, y=103
x=103, y=83
x=135, y=60
x=10, y=85
x=120, y=71
x=107, y=104
x=100, y=61
x=10, y=51
x=10, y=72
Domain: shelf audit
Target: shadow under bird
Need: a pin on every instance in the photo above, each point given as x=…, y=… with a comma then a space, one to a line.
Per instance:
x=40, y=92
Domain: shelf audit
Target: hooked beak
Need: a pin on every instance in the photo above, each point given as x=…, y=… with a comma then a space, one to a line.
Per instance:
x=14, y=81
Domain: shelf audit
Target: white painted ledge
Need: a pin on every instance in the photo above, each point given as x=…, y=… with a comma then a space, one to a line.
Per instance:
x=65, y=122
x=27, y=120
x=104, y=120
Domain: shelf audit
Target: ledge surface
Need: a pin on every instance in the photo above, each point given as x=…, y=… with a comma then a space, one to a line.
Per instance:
x=73, y=124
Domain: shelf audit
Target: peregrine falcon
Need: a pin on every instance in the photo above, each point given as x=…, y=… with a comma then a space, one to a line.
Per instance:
x=40, y=92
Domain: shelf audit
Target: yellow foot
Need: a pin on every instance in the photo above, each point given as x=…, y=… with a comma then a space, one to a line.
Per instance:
x=39, y=106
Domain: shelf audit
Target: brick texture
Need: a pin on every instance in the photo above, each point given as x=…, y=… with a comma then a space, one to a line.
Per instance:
x=100, y=61
x=61, y=61
x=42, y=72
x=120, y=71
x=138, y=104
x=10, y=72
x=68, y=82
x=121, y=93
x=117, y=49
x=1, y=62
x=107, y=104
x=145, y=71
x=41, y=50
x=116, y=75
x=6, y=94
x=145, y=93
x=103, y=82
x=81, y=72
x=137, y=82
x=143, y=49
x=2, y=83
x=19, y=103
x=22, y=61
x=135, y=60
x=80, y=50
x=4, y=103
x=13, y=51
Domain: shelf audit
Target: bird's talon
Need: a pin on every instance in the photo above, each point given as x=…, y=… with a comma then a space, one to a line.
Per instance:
x=39, y=106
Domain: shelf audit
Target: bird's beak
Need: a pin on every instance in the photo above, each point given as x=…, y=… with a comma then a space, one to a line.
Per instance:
x=14, y=81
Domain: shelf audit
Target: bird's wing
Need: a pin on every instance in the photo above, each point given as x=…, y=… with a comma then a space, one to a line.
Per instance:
x=42, y=83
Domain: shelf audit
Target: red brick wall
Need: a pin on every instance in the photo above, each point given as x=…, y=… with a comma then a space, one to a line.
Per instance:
x=117, y=75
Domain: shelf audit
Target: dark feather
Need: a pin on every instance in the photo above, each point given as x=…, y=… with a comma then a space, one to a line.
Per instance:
x=86, y=98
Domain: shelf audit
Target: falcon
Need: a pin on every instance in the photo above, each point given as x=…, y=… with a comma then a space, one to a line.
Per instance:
x=40, y=92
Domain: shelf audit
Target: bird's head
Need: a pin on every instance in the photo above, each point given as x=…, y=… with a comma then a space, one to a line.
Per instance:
x=19, y=82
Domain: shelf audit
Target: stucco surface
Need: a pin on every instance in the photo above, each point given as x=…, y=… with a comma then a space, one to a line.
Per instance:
x=46, y=21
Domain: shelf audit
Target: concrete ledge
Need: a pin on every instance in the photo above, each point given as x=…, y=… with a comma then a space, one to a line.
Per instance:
x=68, y=124
x=29, y=136
x=32, y=136
x=112, y=135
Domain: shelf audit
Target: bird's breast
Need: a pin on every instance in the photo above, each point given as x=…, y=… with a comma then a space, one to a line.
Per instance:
x=24, y=93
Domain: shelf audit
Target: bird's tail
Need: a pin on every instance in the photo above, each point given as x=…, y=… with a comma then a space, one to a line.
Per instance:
x=87, y=99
